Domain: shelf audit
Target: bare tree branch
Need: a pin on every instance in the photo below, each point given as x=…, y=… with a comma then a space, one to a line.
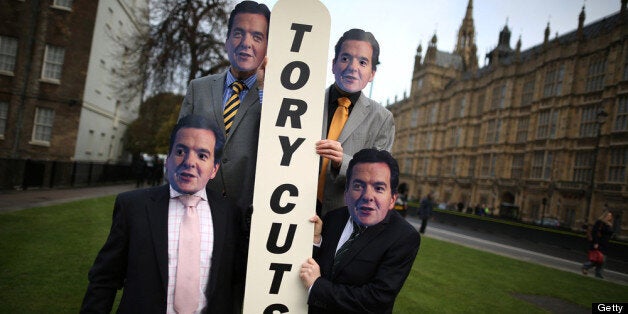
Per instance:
x=185, y=40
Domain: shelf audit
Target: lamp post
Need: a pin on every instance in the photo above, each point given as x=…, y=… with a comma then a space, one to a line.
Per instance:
x=600, y=119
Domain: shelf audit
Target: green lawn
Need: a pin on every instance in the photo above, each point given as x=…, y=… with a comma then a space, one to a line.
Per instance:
x=47, y=252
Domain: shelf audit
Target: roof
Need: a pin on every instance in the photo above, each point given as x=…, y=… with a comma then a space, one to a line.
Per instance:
x=446, y=59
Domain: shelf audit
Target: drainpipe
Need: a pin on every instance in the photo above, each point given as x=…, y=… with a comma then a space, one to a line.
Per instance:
x=27, y=74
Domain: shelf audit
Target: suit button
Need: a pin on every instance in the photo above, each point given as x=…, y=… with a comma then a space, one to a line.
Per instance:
x=225, y=160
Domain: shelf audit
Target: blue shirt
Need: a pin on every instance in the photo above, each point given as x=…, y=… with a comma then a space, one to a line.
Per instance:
x=227, y=91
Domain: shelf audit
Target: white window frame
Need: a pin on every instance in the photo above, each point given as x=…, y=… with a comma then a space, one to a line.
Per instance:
x=63, y=4
x=42, y=126
x=52, y=69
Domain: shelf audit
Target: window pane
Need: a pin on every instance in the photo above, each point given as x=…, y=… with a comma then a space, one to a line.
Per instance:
x=583, y=166
x=617, y=167
x=53, y=62
x=4, y=113
x=595, y=75
x=8, y=53
x=588, y=123
x=528, y=92
x=44, y=118
x=621, y=120
x=63, y=3
x=522, y=129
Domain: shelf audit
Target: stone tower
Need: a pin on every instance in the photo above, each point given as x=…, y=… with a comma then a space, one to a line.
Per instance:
x=465, y=46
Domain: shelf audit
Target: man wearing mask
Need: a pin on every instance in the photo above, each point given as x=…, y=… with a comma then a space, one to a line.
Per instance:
x=233, y=100
x=352, y=121
x=175, y=248
x=363, y=251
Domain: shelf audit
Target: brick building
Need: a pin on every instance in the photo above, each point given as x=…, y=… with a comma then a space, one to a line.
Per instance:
x=536, y=133
x=57, y=59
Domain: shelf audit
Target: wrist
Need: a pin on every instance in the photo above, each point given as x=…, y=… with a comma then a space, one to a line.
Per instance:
x=317, y=239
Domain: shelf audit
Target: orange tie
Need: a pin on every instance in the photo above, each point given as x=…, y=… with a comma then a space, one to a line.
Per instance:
x=337, y=123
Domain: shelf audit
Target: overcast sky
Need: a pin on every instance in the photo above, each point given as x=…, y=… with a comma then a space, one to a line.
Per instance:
x=400, y=25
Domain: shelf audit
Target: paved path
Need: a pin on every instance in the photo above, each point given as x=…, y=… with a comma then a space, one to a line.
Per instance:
x=16, y=200
x=485, y=244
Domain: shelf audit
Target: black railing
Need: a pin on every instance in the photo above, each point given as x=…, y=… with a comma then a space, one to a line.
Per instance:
x=28, y=173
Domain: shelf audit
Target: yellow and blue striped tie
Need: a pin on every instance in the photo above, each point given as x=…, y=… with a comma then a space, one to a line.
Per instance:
x=231, y=108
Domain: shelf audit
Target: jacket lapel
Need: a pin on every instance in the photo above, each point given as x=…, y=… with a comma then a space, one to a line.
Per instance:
x=219, y=220
x=357, y=116
x=216, y=91
x=362, y=243
x=245, y=104
x=157, y=213
x=325, y=114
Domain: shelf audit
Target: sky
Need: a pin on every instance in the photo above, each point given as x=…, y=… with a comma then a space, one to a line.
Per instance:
x=401, y=25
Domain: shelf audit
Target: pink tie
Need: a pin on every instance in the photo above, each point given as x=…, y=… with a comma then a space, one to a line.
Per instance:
x=186, y=291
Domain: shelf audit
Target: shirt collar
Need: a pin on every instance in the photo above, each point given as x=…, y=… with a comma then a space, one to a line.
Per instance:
x=335, y=92
x=174, y=193
x=249, y=81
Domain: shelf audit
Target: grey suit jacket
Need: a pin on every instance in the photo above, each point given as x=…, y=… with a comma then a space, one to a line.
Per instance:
x=370, y=125
x=236, y=176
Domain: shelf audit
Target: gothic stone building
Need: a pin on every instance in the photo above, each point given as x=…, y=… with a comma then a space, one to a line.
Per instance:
x=536, y=133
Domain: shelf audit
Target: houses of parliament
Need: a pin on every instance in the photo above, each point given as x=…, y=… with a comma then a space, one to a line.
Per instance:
x=534, y=133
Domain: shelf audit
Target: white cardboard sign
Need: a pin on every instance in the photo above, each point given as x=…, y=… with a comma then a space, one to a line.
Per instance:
x=287, y=164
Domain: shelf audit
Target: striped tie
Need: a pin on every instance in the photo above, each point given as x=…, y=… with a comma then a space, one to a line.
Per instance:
x=231, y=108
x=357, y=230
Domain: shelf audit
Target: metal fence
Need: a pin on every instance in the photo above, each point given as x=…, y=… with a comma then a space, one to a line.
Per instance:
x=28, y=173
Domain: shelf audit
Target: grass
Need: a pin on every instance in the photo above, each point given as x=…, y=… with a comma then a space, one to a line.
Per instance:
x=449, y=278
x=47, y=252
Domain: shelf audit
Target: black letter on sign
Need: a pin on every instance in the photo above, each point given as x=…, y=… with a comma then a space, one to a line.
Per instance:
x=279, y=270
x=276, y=197
x=276, y=307
x=288, y=149
x=271, y=244
x=304, y=75
x=286, y=110
x=298, y=37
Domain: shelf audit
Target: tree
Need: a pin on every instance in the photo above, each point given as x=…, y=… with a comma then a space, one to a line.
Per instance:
x=150, y=132
x=183, y=40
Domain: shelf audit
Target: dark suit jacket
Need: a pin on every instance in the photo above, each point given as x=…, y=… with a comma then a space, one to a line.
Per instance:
x=372, y=272
x=135, y=256
x=370, y=125
x=236, y=175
